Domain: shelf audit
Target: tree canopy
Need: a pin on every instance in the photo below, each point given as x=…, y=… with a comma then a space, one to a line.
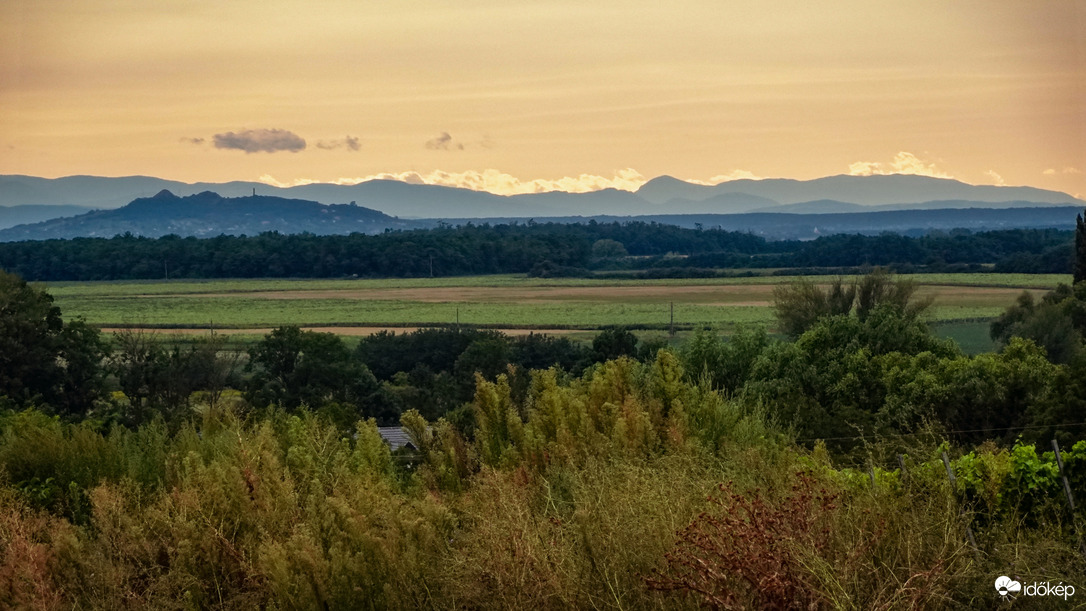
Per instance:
x=42, y=359
x=801, y=304
x=550, y=248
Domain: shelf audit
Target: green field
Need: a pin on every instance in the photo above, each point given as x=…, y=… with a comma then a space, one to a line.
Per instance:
x=181, y=287
x=500, y=301
x=972, y=336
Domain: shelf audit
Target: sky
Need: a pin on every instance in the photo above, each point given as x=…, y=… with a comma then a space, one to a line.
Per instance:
x=521, y=96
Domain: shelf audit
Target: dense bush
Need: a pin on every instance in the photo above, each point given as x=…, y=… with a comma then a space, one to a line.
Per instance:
x=591, y=493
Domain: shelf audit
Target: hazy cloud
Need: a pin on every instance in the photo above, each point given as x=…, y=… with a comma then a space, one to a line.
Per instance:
x=193, y=140
x=730, y=176
x=260, y=141
x=351, y=143
x=1065, y=170
x=903, y=163
x=997, y=180
x=444, y=142
x=492, y=181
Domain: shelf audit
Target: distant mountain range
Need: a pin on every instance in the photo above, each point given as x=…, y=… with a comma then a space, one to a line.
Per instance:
x=663, y=195
x=208, y=214
x=775, y=208
x=864, y=190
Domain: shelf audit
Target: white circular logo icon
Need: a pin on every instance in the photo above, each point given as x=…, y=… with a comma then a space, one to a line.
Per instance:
x=1005, y=585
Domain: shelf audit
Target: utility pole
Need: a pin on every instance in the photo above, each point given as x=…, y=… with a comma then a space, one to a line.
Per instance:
x=166, y=266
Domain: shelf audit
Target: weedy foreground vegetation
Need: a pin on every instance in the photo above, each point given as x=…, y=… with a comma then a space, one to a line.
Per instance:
x=622, y=489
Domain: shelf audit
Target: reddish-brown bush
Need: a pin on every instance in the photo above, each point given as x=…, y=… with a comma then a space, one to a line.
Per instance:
x=748, y=550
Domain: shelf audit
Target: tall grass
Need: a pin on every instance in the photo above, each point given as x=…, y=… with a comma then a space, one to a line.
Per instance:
x=626, y=488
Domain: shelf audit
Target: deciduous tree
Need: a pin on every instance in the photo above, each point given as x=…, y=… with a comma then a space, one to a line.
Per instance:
x=43, y=360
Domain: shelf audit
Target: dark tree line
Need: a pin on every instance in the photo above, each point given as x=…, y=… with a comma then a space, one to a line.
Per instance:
x=549, y=249
x=1016, y=250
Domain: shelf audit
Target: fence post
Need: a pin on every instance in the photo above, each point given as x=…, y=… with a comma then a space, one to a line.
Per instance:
x=961, y=510
x=1063, y=476
x=1070, y=497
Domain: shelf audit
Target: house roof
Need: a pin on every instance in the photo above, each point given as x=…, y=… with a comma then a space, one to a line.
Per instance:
x=396, y=437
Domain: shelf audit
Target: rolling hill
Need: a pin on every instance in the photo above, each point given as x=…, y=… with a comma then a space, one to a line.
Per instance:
x=209, y=214
x=11, y=216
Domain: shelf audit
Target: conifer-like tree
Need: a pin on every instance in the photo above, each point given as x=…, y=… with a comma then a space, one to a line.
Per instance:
x=1080, y=250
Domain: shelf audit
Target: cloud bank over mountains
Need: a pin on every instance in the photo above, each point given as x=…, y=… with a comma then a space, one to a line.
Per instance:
x=490, y=180
x=626, y=179
x=503, y=183
x=903, y=163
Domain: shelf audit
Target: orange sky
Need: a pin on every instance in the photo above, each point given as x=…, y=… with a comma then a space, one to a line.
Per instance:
x=516, y=96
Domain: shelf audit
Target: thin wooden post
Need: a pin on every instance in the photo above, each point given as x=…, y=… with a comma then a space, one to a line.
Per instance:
x=961, y=511
x=1063, y=476
x=1070, y=497
x=949, y=470
x=871, y=473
